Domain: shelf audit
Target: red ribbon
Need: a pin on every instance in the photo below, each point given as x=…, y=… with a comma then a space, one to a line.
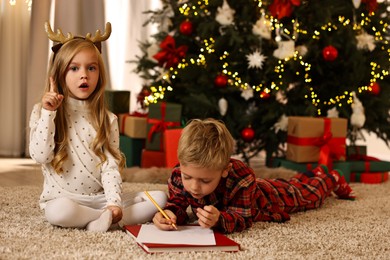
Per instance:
x=309, y=166
x=331, y=148
x=169, y=56
x=160, y=125
x=367, y=160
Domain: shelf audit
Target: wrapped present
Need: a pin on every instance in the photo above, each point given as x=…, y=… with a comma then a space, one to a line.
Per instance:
x=343, y=166
x=313, y=139
x=150, y=158
x=118, y=101
x=161, y=116
x=132, y=149
x=369, y=164
x=353, y=150
x=171, y=142
x=132, y=125
x=369, y=177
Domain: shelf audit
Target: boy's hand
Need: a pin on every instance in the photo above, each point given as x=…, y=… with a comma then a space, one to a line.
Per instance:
x=116, y=213
x=208, y=216
x=163, y=223
x=52, y=100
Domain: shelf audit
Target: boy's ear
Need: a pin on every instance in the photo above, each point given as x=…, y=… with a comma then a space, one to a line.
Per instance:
x=225, y=172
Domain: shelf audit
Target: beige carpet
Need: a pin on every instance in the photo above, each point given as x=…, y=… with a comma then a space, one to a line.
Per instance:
x=338, y=230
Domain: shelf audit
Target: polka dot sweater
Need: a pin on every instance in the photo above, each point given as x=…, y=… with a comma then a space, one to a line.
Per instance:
x=84, y=179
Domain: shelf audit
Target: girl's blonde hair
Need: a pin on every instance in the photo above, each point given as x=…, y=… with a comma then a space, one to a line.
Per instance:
x=205, y=143
x=99, y=116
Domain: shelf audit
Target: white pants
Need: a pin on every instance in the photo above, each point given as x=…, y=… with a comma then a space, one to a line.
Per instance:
x=137, y=209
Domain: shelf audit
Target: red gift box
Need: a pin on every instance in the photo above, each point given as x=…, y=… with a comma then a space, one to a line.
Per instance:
x=162, y=116
x=150, y=158
x=171, y=142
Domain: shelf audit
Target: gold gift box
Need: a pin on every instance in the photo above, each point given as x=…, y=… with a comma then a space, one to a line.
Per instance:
x=132, y=126
x=306, y=134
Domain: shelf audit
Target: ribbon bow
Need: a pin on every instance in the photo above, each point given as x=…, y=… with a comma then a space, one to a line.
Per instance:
x=324, y=139
x=169, y=56
x=283, y=8
x=331, y=148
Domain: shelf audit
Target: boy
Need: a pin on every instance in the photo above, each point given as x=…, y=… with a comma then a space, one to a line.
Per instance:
x=225, y=194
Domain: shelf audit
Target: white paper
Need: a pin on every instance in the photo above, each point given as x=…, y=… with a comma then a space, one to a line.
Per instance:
x=188, y=235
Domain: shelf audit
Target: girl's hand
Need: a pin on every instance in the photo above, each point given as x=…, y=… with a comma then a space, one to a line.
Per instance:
x=52, y=100
x=117, y=213
x=208, y=216
x=163, y=223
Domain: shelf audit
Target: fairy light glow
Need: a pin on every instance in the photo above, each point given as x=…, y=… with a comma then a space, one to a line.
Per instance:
x=195, y=10
x=207, y=49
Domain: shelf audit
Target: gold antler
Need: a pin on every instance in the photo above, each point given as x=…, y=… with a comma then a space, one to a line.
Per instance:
x=57, y=37
x=98, y=37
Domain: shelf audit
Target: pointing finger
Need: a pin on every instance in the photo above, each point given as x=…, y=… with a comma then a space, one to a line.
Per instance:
x=53, y=85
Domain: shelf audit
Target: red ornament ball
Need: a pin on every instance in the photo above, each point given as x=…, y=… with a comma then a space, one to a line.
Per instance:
x=330, y=53
x=248, y=134
x=264, y=95
x=375, y=88
x=221, y=81
x=186, y=28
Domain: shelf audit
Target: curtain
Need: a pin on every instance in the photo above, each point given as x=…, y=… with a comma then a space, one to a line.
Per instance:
x=14, y=35
x=127, y=19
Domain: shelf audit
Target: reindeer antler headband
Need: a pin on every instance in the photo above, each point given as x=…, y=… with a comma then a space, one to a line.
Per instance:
x=62, y=39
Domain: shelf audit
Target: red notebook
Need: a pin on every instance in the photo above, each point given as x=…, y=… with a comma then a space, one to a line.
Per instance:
x=223, y=243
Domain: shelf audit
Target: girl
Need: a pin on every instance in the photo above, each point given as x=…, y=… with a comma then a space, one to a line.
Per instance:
x=76, y=140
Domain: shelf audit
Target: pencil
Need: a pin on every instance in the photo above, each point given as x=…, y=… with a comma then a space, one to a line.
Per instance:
x=159, y=208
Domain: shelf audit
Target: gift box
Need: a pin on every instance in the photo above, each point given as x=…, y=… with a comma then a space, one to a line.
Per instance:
x=132, y=149
x=343, y=166
x=369, y=177
x=370, y=165
x=132, y=126
x=311, y=139
x=171, y=143
x=356, y=150
x=161, y=116
x=150, y=158
x=117, y=101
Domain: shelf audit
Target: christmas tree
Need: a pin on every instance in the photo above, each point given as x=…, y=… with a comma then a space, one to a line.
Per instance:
x=254, y=63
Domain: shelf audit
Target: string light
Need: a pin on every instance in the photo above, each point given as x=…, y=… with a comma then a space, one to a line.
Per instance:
x=234, y=78
x=200, y=7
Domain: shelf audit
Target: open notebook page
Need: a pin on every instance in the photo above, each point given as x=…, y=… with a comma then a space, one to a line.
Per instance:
x=188, y=235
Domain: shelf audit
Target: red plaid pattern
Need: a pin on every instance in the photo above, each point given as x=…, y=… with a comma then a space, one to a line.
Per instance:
x=243, y=199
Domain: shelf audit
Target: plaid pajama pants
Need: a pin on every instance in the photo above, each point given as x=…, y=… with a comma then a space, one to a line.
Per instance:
x=302, y=192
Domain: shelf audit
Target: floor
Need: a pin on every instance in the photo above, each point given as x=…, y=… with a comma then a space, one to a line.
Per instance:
x=24, y=171
x=19, y=171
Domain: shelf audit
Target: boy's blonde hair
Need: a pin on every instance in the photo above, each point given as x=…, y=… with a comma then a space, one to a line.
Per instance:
x=205, y=143
x=100, y=120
